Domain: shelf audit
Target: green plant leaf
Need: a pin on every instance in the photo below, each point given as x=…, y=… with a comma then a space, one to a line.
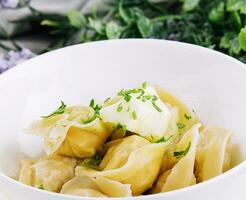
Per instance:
x=235, y=5
x=226, y=40
x=76, y=19
x=113, y=30
x=217, y=13
x=124, y=14
x=235, y=47
x=242, y=38
x=189, y=5
x=50, y=23
x=145, y=26
x=97, y=25
x=235, y=20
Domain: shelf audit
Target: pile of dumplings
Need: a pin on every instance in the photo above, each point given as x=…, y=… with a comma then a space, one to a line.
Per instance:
x=143, y=141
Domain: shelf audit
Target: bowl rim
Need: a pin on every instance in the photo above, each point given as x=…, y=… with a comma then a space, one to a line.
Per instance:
x=234, y=171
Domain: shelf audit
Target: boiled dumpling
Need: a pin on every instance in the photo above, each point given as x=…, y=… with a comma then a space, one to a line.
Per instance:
x=95, y=187
x=172, y=132
x=140, y=169
x=118, y=154
x=74, y=133
x=162, y=179
x=140, y=111
x=181, y=175
x=187, y=117
x=169, y=160
x=48, y=173
x=213, y=153
x=26, y=172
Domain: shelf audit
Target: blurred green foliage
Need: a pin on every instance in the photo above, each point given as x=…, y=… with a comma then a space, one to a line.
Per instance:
x=217, y=24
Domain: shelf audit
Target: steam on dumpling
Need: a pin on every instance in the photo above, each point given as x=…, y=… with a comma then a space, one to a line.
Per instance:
x=187, y=117
x=95, y=187
x=181, y=175
x=73, y=131
x=141, y=111
x=213, y=153
x=139, y=170
x=48, y=173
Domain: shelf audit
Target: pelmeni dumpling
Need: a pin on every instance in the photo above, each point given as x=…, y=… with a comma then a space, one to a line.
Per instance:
x=172, y=130
x=181, y=175
x=213, y=153
x=95, y=187
x=140, y=111
x=187, y=117
x=118, y=154
x=140, y=170
x=73, y=133
x=162, y=179
x=48, y=173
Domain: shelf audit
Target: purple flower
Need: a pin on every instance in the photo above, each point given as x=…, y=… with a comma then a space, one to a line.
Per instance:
x=13, y=58
x=9, y=3
x=13, y=3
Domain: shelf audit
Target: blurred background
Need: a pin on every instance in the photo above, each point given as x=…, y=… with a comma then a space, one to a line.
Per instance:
x=32, y=27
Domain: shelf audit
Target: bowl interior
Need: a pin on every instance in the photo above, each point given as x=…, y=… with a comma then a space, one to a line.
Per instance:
x=211, y=83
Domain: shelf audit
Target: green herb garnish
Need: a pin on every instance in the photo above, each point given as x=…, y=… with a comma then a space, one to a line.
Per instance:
x=127, y=93
x=163, y=139
x=187, y=116
x=128, y=109
x=41, y=186
x=154, y=98
x=120, y=127
x=180, y=125
x=92, y=162
x=142, y=96
x=58, y=111
x=119, y=107
x=179, y=154
x=144, y=85
x=96, y=109
x=134, y=115
x=106, y=100
x=156, y=107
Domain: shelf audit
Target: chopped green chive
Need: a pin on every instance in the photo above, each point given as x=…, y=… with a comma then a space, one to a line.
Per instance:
x=41, y=186
x=119, y=107
x=93, y=162
x=152, y=137
x=156, y=107
x=179, y=154
x=187, y=116
x=127, y=97
x=92, y=102
x=122, y=128
x=134, y=115
x=144, y=85
x=154, y=98
x=106, y=100
x=96, y=109
x=180, y=125
x=142, y=96
x=163, y=139
x=147, y=96
x=58, y=111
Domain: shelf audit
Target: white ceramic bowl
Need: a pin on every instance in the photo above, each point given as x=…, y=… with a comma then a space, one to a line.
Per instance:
x=210, y=82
